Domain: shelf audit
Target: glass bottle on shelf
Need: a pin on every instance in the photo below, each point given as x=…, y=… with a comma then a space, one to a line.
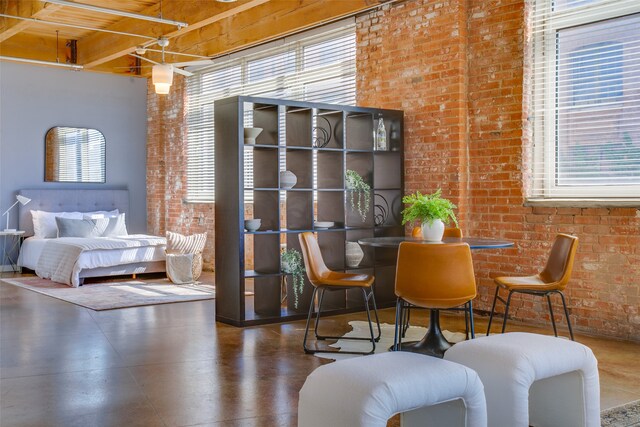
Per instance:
x=381, y=136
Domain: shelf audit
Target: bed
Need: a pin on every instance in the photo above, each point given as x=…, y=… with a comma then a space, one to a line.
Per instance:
x=133, y=254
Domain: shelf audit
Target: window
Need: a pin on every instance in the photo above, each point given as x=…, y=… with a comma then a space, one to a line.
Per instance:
x=315, y=67
x=585, y=99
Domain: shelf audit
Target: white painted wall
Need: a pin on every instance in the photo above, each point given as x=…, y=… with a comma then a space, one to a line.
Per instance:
x=33, y=99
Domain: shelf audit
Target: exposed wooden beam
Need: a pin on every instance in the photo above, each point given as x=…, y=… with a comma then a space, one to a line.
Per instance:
x=27, y=9
x=101, y=48
x=275, y=20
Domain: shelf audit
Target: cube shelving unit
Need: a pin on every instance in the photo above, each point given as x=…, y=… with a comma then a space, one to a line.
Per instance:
x=250, y=286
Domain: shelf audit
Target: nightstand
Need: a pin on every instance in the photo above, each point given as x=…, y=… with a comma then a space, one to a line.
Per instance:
x=12, y=239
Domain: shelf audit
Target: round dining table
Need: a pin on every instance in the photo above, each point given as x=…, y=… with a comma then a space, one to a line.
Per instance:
x=434, y=343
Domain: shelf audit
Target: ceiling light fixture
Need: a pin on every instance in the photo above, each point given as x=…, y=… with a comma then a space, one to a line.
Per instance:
x=162, y=74
x=117, y=12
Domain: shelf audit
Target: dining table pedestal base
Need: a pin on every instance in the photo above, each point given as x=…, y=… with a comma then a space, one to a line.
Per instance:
x=433, y=343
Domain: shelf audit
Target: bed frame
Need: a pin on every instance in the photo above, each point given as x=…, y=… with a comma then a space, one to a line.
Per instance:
x=57, y=200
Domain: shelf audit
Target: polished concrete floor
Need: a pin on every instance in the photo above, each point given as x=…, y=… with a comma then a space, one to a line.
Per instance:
x=172, y=365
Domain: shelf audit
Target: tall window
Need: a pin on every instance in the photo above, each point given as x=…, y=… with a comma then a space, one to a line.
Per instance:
x=320, y=67
x=586, y=99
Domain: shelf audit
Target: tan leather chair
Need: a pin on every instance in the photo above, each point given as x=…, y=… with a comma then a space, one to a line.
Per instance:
x=434, y=276
x=324, y=279
x=552, y=280
x=468, y=324
x=448, y=232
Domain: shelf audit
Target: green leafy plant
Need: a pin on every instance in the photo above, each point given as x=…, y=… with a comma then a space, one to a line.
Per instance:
x=426, y=208
x=359, y=193
x=291, y=263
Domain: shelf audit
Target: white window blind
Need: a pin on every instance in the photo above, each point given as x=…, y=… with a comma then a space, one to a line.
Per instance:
x=585, y=99
x=320, y=67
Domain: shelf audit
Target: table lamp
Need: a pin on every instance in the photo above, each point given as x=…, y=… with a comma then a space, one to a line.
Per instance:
x=23, y=201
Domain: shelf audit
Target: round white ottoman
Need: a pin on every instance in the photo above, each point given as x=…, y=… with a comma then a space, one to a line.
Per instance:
x=367, y=391
x=532, y=379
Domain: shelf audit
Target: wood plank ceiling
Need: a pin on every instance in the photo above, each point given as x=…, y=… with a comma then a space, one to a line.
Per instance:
x=214, y=28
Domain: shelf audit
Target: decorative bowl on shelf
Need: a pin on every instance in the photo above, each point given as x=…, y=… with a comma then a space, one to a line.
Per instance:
x=323, y=224
x=252, y=224
x=287, y=179
x=250, y=135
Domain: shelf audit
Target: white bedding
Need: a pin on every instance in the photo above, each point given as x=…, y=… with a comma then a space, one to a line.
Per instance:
x=152, y=250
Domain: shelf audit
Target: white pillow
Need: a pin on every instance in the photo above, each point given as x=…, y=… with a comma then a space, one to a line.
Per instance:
x=100, y=214
x=44, y=223
x=116, y=226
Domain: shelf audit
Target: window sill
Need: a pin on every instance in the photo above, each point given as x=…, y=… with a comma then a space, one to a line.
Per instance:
x=197, y=202
x=585, y=203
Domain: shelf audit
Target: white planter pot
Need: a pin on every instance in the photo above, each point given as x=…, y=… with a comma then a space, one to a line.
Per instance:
x=433, y=232
x=287, y=179
x=353, y=254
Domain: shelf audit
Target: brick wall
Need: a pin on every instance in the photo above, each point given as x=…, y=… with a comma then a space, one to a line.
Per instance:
x=456, y=68
x=166, y=171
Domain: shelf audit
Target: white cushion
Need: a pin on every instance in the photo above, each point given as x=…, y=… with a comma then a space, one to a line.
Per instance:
x=534, y=379
x=44, y=223
x=101, y=214
x=115, y=226
x=179, y=244
x=367, y=391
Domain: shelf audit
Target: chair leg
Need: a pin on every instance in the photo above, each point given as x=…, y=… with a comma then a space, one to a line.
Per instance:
x=371, y=339
x=506, y=312
x=306, y=329
x=472, y=328
x=553, y=320
x=375, y=311
x=315, y=329
x=405, y=320
x=366, y=304
x=493, y=309
x=566, y=314
x=398, y=325
x=466, y=321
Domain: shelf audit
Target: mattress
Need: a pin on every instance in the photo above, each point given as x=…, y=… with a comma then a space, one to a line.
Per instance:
x=32, y=249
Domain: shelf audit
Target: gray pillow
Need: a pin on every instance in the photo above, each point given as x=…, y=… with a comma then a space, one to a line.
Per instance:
x=69, y=227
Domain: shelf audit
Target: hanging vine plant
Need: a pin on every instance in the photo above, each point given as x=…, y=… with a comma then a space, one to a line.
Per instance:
x=359, y=194
x=291, y=262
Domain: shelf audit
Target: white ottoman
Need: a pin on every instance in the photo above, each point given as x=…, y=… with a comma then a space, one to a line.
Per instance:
x=367, y=391
x=532, y=379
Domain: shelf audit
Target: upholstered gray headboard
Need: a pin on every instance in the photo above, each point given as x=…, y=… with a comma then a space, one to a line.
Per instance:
x=70, y=201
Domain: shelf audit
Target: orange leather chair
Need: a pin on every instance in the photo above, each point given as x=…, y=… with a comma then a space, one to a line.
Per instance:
x=324, y=279
x=448, y=232
x=552, y=280
x=434, y=276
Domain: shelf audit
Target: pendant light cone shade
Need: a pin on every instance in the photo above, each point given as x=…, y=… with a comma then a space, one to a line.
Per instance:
x=162, y=77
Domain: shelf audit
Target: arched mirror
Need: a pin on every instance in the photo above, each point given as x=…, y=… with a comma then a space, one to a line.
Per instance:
x=74, y=155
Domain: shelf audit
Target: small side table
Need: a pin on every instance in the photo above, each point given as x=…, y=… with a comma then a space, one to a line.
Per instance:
x=14, y=244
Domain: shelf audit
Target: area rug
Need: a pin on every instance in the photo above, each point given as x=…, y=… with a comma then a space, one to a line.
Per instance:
x=112, y=295
x=627, y=415
x=361, y=329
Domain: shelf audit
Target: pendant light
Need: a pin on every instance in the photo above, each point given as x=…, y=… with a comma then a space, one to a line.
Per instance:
x=162, y=74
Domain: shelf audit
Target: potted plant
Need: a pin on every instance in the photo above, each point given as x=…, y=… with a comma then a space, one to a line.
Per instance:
x=432, y=211
x=359, y=194
x=291, y=263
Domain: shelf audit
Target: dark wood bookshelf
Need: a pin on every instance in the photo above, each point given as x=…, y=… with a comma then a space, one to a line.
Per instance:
x=249, y=282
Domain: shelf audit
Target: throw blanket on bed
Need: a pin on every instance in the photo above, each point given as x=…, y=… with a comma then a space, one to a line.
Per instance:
x=59, y=256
